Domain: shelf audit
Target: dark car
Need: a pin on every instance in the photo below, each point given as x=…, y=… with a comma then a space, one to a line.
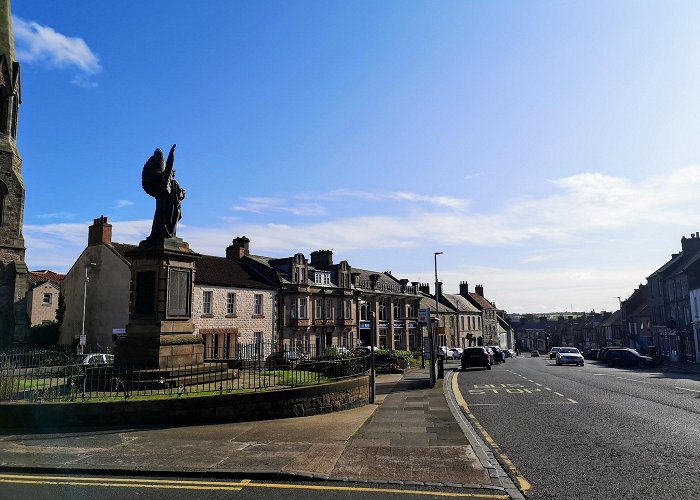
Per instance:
x=535, y=354
x=476, y=357
x=628, y=358
x=604, y=351
x=592, y=354
x=498, y=355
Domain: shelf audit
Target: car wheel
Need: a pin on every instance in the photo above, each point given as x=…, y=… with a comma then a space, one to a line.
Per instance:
x=610, y=363
x=641, y=364
x=488, y=367
x=581, y=363
x=558, y=363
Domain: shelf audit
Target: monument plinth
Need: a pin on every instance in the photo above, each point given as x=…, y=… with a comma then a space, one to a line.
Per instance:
x=160, y=331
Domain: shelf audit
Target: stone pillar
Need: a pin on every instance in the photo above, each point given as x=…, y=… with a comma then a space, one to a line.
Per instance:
x=160, y=331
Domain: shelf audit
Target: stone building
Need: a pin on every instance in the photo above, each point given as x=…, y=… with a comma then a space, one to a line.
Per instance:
x=225, y=308
x=489, y=317
x=669, y=301
x=333, y=305
x=14, y=324
x=468, y=328
x=445, y=319
x=42, y=297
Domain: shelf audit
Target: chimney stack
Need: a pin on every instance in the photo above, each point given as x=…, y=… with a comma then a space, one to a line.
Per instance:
x=690, y=246
x=425, y=288
x=479, y=289
x=322, y=258
x=238, y=248
x=100, y=233
x=464, y=289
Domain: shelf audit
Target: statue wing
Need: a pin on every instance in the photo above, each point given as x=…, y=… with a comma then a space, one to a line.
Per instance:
x=152, y=174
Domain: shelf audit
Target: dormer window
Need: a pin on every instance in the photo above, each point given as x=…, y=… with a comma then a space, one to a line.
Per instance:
x=322, y=278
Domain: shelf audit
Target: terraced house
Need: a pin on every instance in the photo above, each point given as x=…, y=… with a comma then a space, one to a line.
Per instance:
x=332, y=305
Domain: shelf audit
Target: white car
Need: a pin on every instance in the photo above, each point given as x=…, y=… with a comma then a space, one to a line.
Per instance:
x=454, y=353
x=569, y=356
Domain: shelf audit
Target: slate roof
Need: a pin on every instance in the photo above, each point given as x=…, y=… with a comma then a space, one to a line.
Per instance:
x=429, y=301
x=613, y=319
x=215, y=271
x=481, y=301
x=461, y=304
x=35, y=278
x=220, y=271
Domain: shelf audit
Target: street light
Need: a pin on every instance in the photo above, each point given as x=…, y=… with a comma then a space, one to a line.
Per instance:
x=437, y=316
x=372, y=381
x=83, y=339
x=437, y=292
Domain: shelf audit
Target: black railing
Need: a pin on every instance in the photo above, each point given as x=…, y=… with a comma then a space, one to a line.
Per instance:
x=256, y=372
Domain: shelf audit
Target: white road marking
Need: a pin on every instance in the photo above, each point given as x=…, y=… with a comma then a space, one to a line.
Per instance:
x=547, y=388
x=539, y=385
x=558, y=393
x=569, y=399
x=684, y=389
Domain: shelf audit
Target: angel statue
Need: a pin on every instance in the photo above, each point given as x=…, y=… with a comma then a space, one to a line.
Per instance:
x=159, y=181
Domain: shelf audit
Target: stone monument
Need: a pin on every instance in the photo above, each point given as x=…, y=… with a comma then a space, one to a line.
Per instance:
x=160, y=331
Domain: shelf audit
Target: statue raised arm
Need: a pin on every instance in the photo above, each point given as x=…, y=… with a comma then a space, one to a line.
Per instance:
x=158, y=180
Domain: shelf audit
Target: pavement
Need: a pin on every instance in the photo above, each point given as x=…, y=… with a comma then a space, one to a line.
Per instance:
x=413, y=434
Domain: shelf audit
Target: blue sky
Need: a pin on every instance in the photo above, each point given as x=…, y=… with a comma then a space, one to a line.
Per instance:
x=550, y=149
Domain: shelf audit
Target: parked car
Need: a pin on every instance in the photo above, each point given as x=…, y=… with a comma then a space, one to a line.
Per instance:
x=284, y=358
x=569, y=356
x=97, y=359
x=603, y=351
x=628, y=358
x=498, y=355
x=510, y=353
x=442, y=352
x=592, y=354
x=454, y=353
x=534, y=354
x=476, y=357
x=553, y=352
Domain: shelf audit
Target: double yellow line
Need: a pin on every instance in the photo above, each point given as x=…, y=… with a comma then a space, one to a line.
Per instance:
x=220, y=485
x=523, y=484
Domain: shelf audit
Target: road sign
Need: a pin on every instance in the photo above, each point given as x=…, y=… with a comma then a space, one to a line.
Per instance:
x=424, y=315
x=426, y=348
x=83, y=340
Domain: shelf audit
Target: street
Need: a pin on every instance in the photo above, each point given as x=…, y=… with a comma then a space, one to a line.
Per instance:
x=590, y=432
x=58, y=487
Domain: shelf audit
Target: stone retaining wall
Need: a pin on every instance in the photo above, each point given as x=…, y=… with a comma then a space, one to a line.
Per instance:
x=285, y=403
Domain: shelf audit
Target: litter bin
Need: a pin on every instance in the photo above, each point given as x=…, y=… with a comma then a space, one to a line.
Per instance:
x=441, y=368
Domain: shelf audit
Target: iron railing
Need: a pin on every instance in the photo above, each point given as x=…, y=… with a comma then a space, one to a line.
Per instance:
x=259, y=372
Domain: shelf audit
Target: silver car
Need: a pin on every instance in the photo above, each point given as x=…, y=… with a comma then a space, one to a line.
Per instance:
x=569, y=356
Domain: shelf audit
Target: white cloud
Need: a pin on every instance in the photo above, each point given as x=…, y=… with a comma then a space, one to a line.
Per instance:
x=262, y=205
x=593, y=237
x=56, y=215
x=44, y=45
x=123, y=203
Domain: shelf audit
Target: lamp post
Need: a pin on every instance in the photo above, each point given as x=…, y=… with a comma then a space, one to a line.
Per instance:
x=372, y=387
x=83, y=339
x=437, y=292
x=437, y=317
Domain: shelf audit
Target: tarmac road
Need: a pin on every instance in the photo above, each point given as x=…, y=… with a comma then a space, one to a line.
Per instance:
x=591, y=432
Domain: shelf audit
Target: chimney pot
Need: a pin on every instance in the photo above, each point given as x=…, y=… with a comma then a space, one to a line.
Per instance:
x=100, y=232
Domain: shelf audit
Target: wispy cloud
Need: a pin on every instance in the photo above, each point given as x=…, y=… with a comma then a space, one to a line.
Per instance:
x=123, y=203
x=469, y=177
x=312, y=207
x=56, y=215
x=43, y=45
x=268, y=205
